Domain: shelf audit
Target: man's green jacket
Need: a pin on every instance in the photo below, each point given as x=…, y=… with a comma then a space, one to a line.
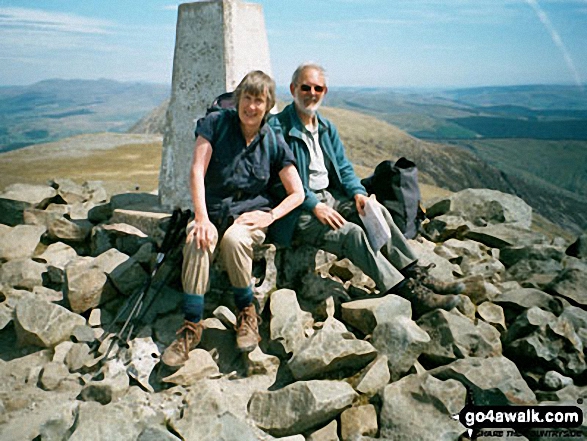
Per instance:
x=341, y=175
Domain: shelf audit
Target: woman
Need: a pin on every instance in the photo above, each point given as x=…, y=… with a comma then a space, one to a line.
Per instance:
x=237, y=158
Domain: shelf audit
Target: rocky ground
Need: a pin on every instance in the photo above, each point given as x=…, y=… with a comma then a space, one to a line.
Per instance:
x=337, y=360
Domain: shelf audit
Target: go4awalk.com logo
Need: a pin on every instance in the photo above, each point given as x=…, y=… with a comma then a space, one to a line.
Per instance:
x=480, y=420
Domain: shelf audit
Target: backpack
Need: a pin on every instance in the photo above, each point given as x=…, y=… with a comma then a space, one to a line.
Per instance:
x=396, y=187
x=222, y=101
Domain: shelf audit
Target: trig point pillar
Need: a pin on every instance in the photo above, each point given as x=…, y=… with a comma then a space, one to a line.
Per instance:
x=217, y=43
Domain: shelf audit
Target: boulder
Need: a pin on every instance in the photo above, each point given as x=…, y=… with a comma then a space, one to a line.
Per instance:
x=366, y=314
x=96, y=422
x=16, y=198
x=374, y=377
x=421, y=407
x=579, y=247
x=490, y=381
x=358, y=421
x=401, y=341
x=20, y=242
x=454, y=336
x=571, y=284
x=22, y=273
x=288, y=322
x=330, y=350
x=300, y=406
x=199, y=365
x=484, y=206
x=44, y=324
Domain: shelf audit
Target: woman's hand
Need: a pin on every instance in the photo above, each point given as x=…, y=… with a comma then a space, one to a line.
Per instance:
x=204, y=233
x=255, y=219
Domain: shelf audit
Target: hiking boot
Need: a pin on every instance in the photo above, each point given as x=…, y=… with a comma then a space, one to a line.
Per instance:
x=177, y=353
x=247, y=329
x=424, y=300
x=422, y=275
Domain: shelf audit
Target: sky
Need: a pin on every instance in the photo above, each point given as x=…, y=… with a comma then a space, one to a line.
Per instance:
x=379, y=43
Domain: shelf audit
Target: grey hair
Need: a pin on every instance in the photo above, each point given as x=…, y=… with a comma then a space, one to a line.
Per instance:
x=295, y=78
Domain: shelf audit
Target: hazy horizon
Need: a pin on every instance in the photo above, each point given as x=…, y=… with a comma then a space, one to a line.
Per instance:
x=362, y=43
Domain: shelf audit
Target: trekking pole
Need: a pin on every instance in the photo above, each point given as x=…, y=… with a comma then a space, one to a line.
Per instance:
x=134, y=303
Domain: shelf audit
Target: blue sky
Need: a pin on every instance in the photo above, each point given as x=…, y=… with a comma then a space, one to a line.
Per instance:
x=395, y=43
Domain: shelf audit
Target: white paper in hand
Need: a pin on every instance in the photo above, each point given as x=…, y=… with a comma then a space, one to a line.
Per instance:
x=377, y=229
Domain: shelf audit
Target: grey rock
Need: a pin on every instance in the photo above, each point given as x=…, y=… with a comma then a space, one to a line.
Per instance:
x=288, y=321
x=44, y=324
x=96, y=422
x=259, y=363
x=226, y=316
x=504, y=235
x=69, y=190
x=18, y=197
x=514, y=302
x=125, y=238
x=123, y=271
x=83, y=334
x=199, y=365
x=224, y=427
x=53, y=374
x=141, y=357
x=421, y=407
x=78, y=356
x=553, y=380
x=46, y=416
x=483, y=206
x=443, y=269
x=86, y=285
x=445, y=226
x=20, y=242
x=374, y=377
x=542, y=252
x=149, y=220
x=156, y=434
x=300, y=406
x=454, y=336
x=492, y=314
x=22, y=273
x=114, y=385
x=326, y=433
x=358, y=421
x=491, y=381
x=571, y=284
x=527, y=322
x=578, y=318
x=579, y=247
x=554, y=345
x=327, y=351
x=401, y=341
x=365, y=314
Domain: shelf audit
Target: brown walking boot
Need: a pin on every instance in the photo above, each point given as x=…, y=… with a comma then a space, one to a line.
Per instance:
x=247, y=329
x=177, y=353
x=425, y=300
x=421, y=274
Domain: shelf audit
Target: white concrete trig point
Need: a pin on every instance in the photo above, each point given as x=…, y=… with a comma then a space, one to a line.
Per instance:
x=217, y=43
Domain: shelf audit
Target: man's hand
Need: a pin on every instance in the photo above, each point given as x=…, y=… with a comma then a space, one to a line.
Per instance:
x=361, y=200
x=204, y=234
x=329, y=216
x=255, y=219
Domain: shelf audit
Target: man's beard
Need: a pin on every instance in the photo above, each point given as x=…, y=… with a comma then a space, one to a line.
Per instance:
x=304, y=108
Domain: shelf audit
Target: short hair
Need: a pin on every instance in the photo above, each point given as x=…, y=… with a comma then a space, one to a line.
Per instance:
x=256, y=83
x=295, y=78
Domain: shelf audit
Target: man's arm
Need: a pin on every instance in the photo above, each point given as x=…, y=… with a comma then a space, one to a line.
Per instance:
x=204, y=230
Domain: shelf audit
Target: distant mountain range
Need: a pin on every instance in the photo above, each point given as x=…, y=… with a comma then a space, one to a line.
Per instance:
x=55, y=109
x=526, y=140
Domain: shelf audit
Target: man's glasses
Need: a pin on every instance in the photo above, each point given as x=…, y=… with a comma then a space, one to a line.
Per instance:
x=307, y=88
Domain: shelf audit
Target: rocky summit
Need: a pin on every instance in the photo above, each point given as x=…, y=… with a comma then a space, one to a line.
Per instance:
x=337, y=360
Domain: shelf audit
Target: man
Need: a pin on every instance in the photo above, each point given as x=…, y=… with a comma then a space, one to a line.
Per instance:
x=237, y=158
x=334, y=196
